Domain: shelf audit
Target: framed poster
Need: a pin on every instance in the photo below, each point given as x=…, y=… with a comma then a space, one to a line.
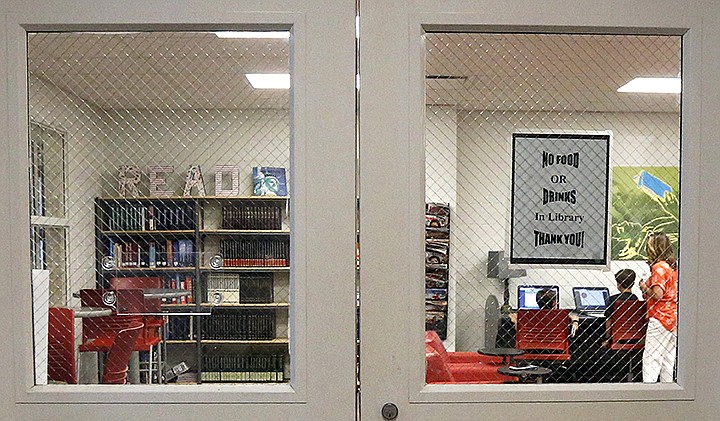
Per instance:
x=560, y=198
x=645, y=200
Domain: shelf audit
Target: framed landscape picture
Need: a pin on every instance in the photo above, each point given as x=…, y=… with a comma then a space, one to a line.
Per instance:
x=644, y=200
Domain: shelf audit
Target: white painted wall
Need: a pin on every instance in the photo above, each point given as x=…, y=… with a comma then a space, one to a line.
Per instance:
x=182, y=138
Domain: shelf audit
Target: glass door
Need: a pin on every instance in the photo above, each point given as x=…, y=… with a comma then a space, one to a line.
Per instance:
x=185, y=187
x=513, y=134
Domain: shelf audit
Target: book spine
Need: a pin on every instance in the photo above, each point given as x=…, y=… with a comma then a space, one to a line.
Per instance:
x=152, y=262
x=175, y=252
x=189, y=287
x=169, y=253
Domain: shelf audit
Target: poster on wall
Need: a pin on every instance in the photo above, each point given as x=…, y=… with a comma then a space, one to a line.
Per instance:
x=645, y=200
x=560, y=197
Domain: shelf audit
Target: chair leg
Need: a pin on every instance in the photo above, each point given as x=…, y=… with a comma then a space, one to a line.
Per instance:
x=158, y=364
x=149, y=366
x=632, y=360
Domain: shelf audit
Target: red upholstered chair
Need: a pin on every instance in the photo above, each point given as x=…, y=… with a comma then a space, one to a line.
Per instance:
x=99, y=332
x=150, y=336
x=116, y=365
x=61, y=345
x=432, y=338
x=543, y=335
x=627, y=326
x=459, y=367
x=439, y=370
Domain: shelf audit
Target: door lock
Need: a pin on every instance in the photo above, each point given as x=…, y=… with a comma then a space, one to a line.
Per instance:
x=389, y=411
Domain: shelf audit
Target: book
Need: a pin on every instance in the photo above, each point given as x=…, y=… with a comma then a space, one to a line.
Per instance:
x=522, y=367
x=269, y=181
x=152, y=258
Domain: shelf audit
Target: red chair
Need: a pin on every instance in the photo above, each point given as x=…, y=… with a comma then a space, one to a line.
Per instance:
x=432, y=338
x=627, y=326
x=61, y=345
x=152, y=305
x=99, y=332
x=439, y=371
x=543, y=335
x=459, y=367
x=150, y=336
x=116, y=365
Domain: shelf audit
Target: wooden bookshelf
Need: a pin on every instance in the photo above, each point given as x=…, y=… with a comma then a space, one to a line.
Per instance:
x=159, y=230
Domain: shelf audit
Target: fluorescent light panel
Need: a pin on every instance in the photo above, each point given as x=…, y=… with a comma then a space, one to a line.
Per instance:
x=253, y=34
x=269, y=80
x=653, y=85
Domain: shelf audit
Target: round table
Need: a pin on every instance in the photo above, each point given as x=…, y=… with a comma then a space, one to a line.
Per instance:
x=92, y=312
x=526, y=374
x=506, y=353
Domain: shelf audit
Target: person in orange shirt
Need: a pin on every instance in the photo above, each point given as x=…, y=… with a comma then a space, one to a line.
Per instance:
x=661, y=293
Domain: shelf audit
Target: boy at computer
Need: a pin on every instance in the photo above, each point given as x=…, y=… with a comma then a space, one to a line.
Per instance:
x=547, y=299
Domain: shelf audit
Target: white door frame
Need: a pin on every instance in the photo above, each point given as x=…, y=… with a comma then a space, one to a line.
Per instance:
x=322, y=147
x=392, y=235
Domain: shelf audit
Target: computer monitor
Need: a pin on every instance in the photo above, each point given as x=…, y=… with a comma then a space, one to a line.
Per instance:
x=590, y=298
x=527, y=295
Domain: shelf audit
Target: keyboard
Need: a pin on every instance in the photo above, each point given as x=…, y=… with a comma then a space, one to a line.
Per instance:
x=591, y=313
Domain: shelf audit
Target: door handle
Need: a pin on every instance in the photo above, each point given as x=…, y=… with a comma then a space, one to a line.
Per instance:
x=389, y=411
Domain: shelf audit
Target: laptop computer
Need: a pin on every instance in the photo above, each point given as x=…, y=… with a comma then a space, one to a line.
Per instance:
x=527, y=295
x=591, y=301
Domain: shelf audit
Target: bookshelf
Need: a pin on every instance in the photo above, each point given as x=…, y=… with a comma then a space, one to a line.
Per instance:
x=231, y=253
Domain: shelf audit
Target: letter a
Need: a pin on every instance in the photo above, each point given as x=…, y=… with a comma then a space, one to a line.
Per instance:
x=194, y=179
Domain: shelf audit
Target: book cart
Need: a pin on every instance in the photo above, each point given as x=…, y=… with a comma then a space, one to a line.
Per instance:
x=233, y=256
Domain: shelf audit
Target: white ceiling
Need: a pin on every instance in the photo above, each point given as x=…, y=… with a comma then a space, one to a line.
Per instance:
x=471, y=71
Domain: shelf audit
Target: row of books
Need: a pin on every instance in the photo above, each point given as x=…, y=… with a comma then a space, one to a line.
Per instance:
x=156, y=217
x=178, y=282
x=151, y=254
x=240, y=287
x=243, y=368
x=255, y=252
x=252, y=216
x=239, y=324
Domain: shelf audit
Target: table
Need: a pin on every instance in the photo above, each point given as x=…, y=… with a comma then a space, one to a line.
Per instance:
x=157, y=293
x=508, y=354
x=92, y=312
x=165, y=293
x=526, y=374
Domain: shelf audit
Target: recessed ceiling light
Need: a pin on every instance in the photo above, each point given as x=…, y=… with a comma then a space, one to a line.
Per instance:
x=269, y=80
x=653, y=85
x=253, y=34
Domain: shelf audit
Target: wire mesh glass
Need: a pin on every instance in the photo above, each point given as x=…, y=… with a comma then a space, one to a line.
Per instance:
x=159, y=184
x=543, y=184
